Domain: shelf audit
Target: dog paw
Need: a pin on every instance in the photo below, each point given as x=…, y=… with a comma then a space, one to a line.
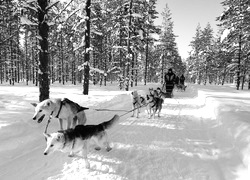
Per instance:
x=108, y=149
x=97, y=148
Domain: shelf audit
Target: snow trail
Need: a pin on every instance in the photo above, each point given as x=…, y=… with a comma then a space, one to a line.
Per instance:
x=202, y=134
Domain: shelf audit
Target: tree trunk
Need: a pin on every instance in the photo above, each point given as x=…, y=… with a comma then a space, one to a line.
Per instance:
x=87, y=46
x=146, y=62
x=73, y=66
x=26, y=58
x=162, y=69
x=136, y=69
x=248, y=83
x=132, y=69
x=129, y=49
x=1, y=65
x=11, y=60
x=239, y=61
x=62, y=58
x=43, y=30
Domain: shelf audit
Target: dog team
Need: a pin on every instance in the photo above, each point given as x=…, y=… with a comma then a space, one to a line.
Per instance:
x=153, y=102
x=76, y=137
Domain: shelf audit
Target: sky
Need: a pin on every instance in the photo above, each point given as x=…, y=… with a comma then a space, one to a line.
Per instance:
x=186, y=15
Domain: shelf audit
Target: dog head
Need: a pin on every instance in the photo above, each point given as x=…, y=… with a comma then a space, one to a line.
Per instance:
x=43, y=108
x=54, y=142
x=150, y=90
x=155, y=93
x=134, y=93
x=158, y=90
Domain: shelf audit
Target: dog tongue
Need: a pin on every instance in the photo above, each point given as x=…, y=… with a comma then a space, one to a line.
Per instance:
x=41, y=118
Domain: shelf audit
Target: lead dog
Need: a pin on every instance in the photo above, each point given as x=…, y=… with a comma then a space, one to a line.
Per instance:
x=76, y=140
x=162, y=94
x=154, y=103
x=63, y=109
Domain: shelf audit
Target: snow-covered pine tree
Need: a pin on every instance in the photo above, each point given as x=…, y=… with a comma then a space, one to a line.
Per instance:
x=235, y=20
x=170, y=52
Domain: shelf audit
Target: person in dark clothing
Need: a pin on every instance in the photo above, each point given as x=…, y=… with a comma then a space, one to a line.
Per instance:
x=182, y=80
x=169, y=81
x=177, y=80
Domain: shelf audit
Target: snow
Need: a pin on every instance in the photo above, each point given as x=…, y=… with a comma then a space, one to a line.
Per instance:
x=203, y=134
x=25, y=21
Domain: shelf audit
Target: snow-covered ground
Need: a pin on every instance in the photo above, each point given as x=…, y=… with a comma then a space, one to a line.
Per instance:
x=203, y=134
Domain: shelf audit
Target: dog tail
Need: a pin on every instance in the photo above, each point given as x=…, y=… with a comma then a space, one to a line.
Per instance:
x=108, y=124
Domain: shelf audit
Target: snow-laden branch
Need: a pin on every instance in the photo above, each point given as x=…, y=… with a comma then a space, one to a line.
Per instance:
x=28, y=6
x=80, y=45
x=52, y=4
x=63, y=10
x=71, y=14
x=25, y=21
x=93, y=69
x=98, y=33
x=231, y=66
x=136, y=15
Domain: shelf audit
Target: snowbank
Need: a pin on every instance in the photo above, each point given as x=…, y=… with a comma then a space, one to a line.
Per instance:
x=203, y=134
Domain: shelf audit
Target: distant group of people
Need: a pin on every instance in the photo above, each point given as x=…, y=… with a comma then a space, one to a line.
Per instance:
x=171, y=80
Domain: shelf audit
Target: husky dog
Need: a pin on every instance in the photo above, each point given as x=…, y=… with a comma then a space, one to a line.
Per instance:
x=162, y=94
x=63, y=109
x=154, y=103
x=138, y=102
x=76, y=140
x=181, y=87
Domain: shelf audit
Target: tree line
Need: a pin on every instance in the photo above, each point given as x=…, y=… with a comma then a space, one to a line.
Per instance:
x=224, y=58
x=46, y=41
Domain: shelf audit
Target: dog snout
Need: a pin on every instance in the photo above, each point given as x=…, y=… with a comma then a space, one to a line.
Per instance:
x=34, y=118
x=45, y=153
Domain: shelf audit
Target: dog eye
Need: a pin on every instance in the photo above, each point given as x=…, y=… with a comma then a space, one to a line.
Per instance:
x=40, y=110
x=51, y=145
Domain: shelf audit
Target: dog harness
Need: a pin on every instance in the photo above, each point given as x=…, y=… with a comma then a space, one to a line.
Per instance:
x=60, y=108
x=57, y=116
x=153, y=101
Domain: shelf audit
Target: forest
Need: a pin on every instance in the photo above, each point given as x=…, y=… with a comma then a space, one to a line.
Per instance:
x=225, y=57
x=116, y=41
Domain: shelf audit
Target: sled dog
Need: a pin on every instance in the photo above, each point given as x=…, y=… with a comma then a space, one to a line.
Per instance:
x=63, y=109
x=181, y=87
x=138, y=102
x=76, y=140
x=161, y=93
x=154, y=103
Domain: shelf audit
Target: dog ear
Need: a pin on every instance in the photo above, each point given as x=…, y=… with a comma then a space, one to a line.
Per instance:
x=34, y=104
x=46, y=135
